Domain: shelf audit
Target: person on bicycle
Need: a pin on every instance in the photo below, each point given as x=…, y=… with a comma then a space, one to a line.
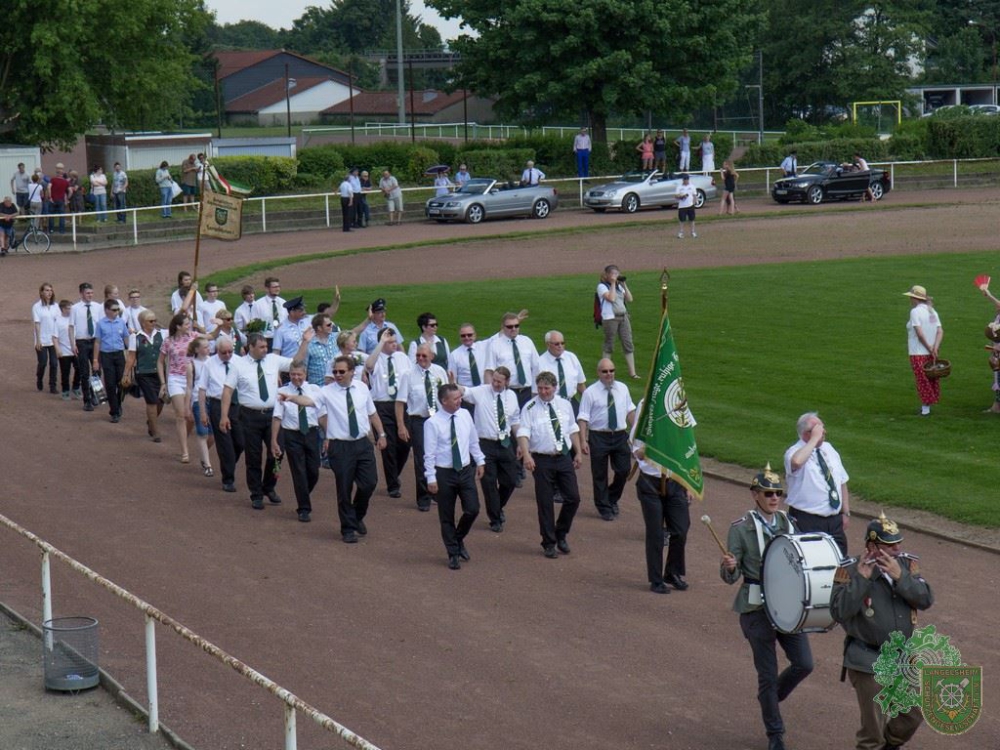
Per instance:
x=8, y=210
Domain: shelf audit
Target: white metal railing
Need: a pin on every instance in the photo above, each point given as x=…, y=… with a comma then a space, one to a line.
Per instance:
x=420, y=129
x=293, y=705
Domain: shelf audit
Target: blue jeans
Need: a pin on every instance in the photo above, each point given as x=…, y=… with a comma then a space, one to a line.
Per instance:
x=583, y=163
x=166, y=197
x=57, y=207
x=119, y=204
x=101, y=206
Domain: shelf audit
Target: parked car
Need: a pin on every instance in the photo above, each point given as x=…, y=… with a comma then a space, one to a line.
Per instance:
x=483, y=198
x=641, y=188
x=823, y=180
x=986, y=109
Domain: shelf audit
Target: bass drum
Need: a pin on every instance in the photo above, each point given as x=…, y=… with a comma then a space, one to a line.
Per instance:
x=797, y=581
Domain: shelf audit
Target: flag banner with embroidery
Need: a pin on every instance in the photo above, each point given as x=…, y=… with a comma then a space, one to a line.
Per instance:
x=221, y=216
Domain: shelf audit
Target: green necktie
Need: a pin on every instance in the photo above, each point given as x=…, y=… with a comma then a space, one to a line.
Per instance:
x=352, y=415
x=562, y=378
x=261, y=382
x=236, y=394
x=90, y=322
x=521, y=379
x=392, y=376
x=474, y=368
x=557, y=431
x=303, y=417
x=502, y=423
x=612, y=412
x=274, y=309
x=456, y=452
x=834, y=492
x=428, y=391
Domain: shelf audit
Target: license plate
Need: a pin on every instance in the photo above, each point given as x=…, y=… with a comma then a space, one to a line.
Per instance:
x=433, y=211
x=781, y=192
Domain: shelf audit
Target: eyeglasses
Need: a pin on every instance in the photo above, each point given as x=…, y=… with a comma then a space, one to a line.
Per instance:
x=340, y=372
x=114, y=309
x=605, y=372
x=467, y=335
x=558, y=343
x=133, y=296
x=774, y=493
x=511, y=327
x=328, y=325
x=150, y=320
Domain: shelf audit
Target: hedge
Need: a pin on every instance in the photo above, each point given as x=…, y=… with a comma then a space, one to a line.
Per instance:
x=267, y=175
x=771, y=154
x=502, y=164
x=973, y=137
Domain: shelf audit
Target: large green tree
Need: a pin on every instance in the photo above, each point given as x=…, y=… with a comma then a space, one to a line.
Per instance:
x=602, y=57
x=964, y=46
x=66, y=65
x=351, y=27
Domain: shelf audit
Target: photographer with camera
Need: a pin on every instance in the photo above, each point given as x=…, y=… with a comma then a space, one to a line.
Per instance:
x=614, y=296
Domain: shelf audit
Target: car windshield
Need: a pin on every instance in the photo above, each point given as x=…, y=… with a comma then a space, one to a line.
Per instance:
x=634, y=177
x=820, y=168
x=475, y=187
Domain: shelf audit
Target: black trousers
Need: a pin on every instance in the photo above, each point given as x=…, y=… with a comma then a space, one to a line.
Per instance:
x=460, y=484
x=302, y=453
x=85, y=355
x=605, y=448
x=347, y=213
x=773, y=688
x=46, y=357
x=112, y=370
x=353, y=465
x=673, y=508
x=396, y=451
x=832, y=525
x=415, y=425
x=555, y=473
x=66, y=363
x=499, y=476
x=229, y=445
x=257, y=440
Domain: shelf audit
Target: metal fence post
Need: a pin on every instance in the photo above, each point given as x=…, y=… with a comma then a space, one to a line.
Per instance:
x=47, y=596
x=135, y=226
x=955, y=171
x=290, y=740
x=581, y=192
x=892, y=176
x=263, y=214
x=326, y=199
x=154, y=702
x=72, y=226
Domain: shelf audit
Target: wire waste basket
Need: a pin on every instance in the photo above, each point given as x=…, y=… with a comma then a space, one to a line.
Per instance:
x=70, y=649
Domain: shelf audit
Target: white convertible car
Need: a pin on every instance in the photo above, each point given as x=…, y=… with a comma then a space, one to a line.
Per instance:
x=638, y=189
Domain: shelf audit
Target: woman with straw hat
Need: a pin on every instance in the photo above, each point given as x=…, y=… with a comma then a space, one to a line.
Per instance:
x=924, y=333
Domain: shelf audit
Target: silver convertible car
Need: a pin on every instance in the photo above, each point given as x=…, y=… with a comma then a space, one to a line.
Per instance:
x=479, y=199
x=637, y=189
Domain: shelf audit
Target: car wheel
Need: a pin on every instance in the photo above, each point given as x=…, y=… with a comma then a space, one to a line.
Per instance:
x=475, y=214
x=631, y=203
x=541, y=209
x=877, y=190
x=700, y=199
x=815, y=195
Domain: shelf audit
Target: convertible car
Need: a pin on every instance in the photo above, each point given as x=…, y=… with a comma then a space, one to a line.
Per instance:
x=824, y=180
x=637, y=189
x=485, y=198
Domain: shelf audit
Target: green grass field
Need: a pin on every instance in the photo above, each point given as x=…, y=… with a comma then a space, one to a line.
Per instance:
x=759, y=345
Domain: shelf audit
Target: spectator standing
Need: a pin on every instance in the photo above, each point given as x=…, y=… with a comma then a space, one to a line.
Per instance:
x=683, y=143
x=530, y=177
x=923, y=340
x=355, y=180
x=645, y=149
x=99, y=189
x=363, y=211
x=189, y=181
x=58, y=189
x=707, y=149
x=462, y=176
x=389, y=186
x=790, y=164
x=19, y=184
x=442, y=184
x=8, y=210
x=660, y=152
x=346, y=202
x=614, y=295
x=36, y=198
x=119, y=191
x=581, y=148
x=44, y=314
x=685, y=196
x=729, y=179
x=75, y=196
x=165, y=182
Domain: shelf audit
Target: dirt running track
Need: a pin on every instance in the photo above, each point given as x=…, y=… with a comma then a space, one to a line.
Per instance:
x=513, y=651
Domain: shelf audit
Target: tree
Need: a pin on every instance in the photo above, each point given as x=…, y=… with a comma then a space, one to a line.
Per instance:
x=559, y=57
x=67, y=64
x=964, y=49
x=355, y=26
x=245, y=35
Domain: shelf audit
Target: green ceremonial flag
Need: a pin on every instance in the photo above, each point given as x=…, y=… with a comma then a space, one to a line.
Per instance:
x=665, y=424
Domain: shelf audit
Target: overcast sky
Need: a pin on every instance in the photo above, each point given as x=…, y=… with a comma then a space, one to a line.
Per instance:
x=281, y=14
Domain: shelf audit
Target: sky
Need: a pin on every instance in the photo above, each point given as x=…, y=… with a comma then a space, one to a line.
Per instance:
x=280, y=15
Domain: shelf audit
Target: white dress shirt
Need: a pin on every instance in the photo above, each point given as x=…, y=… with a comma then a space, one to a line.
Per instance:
x=333, y=405
x=213, y=376
x=437, y=442
x=131, y=317
x=486, y=418
x=243, y=379
x=45, y=316
x=532, y=176
x=264, y=309
x=207, y=311
x=62, y=335
x=458, y=363
x=288, y=412
x=378, y=378
x=536, y=425
x=594, y=406
x=78, y=318
x=808, y=490
x=412, y=390
x=572, y=372
x=243, y=315
x=176, y=300
x=500, y=351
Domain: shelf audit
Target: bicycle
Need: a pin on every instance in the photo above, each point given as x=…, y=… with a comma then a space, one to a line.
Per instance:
x=32, y=240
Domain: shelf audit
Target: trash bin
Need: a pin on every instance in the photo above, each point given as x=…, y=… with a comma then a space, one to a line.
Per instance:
x=69, y=646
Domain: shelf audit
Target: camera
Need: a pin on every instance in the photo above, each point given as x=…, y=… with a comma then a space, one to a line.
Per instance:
x=622, y=279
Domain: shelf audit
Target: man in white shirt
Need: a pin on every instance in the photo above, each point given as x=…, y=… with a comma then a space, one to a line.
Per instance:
x=131, y=311
x=271, y=309
x=84, y=316
x=254, y=381
x=605, y=418
x=347, y=202
x=818, y=499
x=570, y=380
x=389, y=186
x=416, y=402
x=685, y=196
x=496, y=416
x=515, y=352
x=244, y=313
x=683, y=143
x=347, y=416
x=451, y=447
x=466, y=361
x=581, y=147
x=210, y=307
x=386, y=367
x=546, y=434
x=531, y=176
x=294, y=429
x=184, y=282
x=462, y=176
x=228, y=444
x=789, y=165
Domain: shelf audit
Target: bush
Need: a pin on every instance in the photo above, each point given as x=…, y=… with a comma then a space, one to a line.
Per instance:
x=303, y=181
x=771, y=154
x=266, y=175
x=326, y=162
x=500, y=164
x=420, y=159
x=971, y=137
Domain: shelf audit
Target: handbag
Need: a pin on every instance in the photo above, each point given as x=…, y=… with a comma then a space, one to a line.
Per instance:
x=175, y=189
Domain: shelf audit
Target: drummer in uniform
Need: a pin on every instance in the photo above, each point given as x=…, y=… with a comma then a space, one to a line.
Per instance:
x=872, y=598
x=748, y=536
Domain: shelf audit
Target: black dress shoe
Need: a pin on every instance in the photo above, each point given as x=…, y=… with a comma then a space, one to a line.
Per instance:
x=229, y=487
x=776, y=742
x=659, y=588
x=676, y=581
x=423, y=508
x=88, y=406
x=464, y=553
x=503, y=517
x=304, y=516
x=350, y=537
x=453, y=562
x=607, y=517
x=362, y=529
x=615, y=510
x=115, y=419
x=257, y=503
x=563, y=546
x=496, y=527
x=550, y=552
x=273, y=498
x=395, y=493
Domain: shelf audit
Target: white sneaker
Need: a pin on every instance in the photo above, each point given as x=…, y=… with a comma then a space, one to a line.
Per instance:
x=694, y=234
x=680, y=235
x=925, y=410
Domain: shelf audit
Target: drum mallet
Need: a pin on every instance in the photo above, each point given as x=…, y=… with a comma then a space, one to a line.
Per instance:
x=708, y=522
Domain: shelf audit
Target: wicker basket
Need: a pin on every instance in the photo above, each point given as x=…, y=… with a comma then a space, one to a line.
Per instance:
x=938, y=369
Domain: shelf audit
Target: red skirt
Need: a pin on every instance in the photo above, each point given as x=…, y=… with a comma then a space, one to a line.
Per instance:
x=928, y=390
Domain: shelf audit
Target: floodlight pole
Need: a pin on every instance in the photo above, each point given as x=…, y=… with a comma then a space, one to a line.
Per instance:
x=760, y=92
x=400, y=84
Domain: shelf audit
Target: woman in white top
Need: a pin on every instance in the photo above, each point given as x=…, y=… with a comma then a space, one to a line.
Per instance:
x=443, y=185
x=36, y=197
x=99, y=189
x=44, y=314
x=613, y=295
x=428, y=324
x=923, y=339
x=166, y=185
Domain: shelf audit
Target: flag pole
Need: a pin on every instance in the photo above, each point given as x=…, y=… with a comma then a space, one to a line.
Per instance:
x=197, y=236
x=664, y=283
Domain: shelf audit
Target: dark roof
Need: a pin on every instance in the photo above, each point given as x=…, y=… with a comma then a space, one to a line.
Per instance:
x=384, y=103
x=233, y=61
x=271, y=93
